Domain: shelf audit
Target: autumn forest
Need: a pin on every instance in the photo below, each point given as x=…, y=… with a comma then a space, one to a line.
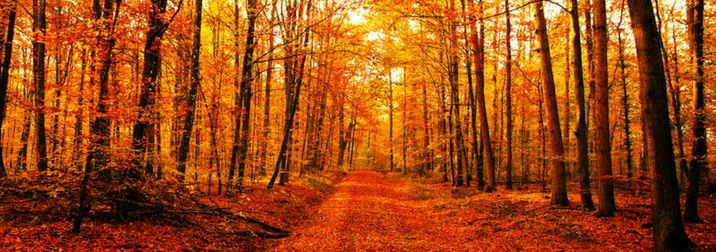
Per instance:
x=248, y=124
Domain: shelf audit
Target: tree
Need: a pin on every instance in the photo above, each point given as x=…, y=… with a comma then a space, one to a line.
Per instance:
x=191, y=98
x=144, y=128
x=559, y=182
x=478, y=49
x=294, y=65
x=38, y=51
x=508, y=98
x=98, y=156
x=695, y=13
x=601, y=108
x=4, y=77
x=581, y=133
x=669, y=232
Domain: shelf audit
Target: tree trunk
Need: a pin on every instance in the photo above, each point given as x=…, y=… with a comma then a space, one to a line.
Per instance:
x=625, y=106
x=559, y=182
x=601, y=108
x=695, y=13
x=508, y=100
x=581, y=133
x=144, y=128
x=246, y=80
x=479, y=55
x=669, y=232
x=98, y=155
x=4, y=78
x=193, y=88
x=38, y=49
x=390, y=115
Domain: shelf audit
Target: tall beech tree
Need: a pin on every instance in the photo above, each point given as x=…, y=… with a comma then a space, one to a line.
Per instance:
x=144, y=128
x=669, y=232
x=5, y=74
x=559, y=180
x=478, y=49
x=601, y=108
x=240, y=149
x=508, y=98
x=695, y=18
x=581, y=133
x=194, y=80
x=105, y=14
x=39, y=27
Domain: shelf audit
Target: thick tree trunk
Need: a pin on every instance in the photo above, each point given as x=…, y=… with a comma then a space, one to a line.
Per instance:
x=601, y=108
x=669, y=232
x=5, y=75
x=559, y=181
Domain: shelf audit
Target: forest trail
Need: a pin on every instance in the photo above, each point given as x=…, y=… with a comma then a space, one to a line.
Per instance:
x=367, y=213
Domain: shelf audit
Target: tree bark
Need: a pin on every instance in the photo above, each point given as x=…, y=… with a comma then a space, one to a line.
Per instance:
x=581, y=133
x=191, y=98
x=478, y=49
x=559, y=182
x=508, y=100
x=695, y=13
x=144, y=127
x=38, y=49
x=669, y=232
x=601, y=108
x=5, y=75
x=98, y=155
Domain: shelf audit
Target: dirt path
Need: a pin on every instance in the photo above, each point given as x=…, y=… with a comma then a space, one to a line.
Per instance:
x=367, y=213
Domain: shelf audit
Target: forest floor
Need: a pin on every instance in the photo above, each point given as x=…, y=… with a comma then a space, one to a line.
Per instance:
x=373, y=212
x=360, y=211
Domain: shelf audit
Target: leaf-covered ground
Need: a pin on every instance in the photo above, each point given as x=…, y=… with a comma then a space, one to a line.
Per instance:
x=40, y=225
x=370, y=212
x=362, y=211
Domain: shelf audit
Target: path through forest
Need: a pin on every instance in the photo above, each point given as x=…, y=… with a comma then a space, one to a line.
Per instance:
x=367, y=213
x=373, y=212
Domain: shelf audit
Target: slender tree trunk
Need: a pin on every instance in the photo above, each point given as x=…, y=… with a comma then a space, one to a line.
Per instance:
x=479, y=54
x=669, y=232
x=625, y=106
x=426, y=131
x=581, y=133
x=38, y=48
x=559, y=182
x=144, y=128
x=246, y=80
x=191, y=98
x=603, y=140
x=98, y=155
x=390, y=115
x=267, y=106
x=698, y=150
x=508, y=100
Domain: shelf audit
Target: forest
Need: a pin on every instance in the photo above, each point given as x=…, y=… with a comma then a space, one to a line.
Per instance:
x=232, y=122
